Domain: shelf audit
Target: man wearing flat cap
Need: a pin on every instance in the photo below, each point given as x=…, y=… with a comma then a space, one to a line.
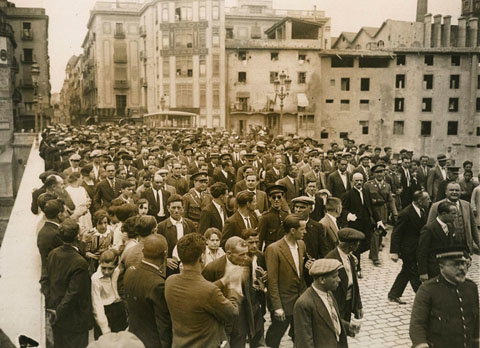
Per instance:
x=270, y=222
x=436, y=175
x=347, y=293
x=445, y=313
x=317, y=318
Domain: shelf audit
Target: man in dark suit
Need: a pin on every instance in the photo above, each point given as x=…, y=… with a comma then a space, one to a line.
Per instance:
x=225, y=175
x=291, y=182
x=197, y=198
x=317, y=318
x=338, y=182
x=404, y=242
x=142, y=161
x=285, y=278
x=108, y=189
x=330, y=222
x=314, y=175
x=408, y=182
x=275, y=173
x=68, y=291
x=329, y=164
x=319, y=197
x=347, y=294
x=270, y=223
x=358, y=213
x=446, y=311
x=260, y=196
x=199, y=320
x=435, y=235
x=237, y=254
x=244, y=218
x=157, y=199
x=422, y=172
x=215, y=214
x=144, y=288
x=174, y=228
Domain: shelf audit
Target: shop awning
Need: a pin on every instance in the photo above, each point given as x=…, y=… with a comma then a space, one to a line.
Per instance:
x=302, y=100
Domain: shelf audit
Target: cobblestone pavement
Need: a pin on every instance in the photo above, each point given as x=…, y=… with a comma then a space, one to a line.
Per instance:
x=384, y=323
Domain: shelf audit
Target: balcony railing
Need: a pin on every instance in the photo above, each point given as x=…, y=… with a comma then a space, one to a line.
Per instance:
x=119, y=34
x=120, y=84
x=143, y=31
x=27, y=34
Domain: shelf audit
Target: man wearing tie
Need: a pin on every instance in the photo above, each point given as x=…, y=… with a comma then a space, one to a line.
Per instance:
x=435, y=176
x=214, y=215
x=291, y=183
x=404, y=243
x=422, y=172
x=329, y=222
x=244, y=218
x=436, y=234
x=157, y=199
x=197, y=198
x=338, y=182
x=108, y=189
x=409, y=184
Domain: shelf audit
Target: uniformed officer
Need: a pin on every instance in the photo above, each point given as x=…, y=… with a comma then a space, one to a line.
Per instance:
x=270, y=224
x=445, y=313
x=197, y=198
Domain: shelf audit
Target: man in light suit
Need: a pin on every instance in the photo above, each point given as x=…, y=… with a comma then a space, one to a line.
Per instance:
x=291, y=182
x=260, y=196
x=330, y=222
x=285, y=277
x=464, y=223
x=338, y=182
x=316, y=314
x=347, y=294
x=436, y=175
x=422, y=172
x=315, y=175
x=157, y=199
x=243, y=219
x=329, y=164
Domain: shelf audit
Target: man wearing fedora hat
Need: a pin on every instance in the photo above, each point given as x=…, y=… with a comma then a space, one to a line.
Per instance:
x=436, y=175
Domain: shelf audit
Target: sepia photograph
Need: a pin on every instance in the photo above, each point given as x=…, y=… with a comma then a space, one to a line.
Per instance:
x=239, y=173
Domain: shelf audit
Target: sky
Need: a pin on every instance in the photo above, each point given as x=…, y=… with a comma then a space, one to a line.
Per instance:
x=68, y=20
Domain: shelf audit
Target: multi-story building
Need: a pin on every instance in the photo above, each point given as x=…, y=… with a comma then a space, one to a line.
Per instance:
x=30, y=27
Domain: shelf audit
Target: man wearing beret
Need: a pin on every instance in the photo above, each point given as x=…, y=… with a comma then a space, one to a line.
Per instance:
x=445, y=313
x=347, y=293
x=316, y=315
x=285, y=283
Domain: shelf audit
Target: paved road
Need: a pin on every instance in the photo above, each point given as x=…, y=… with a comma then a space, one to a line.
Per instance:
x=385, y=324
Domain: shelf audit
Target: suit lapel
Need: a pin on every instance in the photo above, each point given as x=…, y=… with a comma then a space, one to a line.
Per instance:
x=321, y=309
x=288, y=255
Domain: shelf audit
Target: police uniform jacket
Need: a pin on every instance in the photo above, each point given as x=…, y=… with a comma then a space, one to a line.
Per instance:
x=194, y=204
x=382, y=199
x=270, y=226
x=445, y=315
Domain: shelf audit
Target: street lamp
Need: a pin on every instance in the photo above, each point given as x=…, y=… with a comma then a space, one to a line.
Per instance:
x=282, y=88
x=35, y=75
x=163, y=101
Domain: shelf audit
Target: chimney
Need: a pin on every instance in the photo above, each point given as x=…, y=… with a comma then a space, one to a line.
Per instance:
x=473, y=27
x=422, y=9
x=427, y=40
x=447, y=30
x=437, y=31
x=462, y=32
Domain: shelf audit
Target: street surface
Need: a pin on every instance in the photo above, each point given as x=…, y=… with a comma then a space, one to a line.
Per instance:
x=384, y=323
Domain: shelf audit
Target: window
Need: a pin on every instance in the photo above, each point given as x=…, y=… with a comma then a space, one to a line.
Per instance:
x=452, y=128
x=215, y=12
x=324, y=135
x=202, y=38
x=184, y=93
x=27, y=30
x=273, y=56
x=229, y=33
x=426, y=128
x=478, y=81
x=343, y=135
x=184, y=66
x=401, y=59
x=165, y=40
x=373, y=62
x=242, y=76
x=302, y=57
x=119, y=52
x=427, y=104
x=364, y=84
x=332, y=82
x=329, y=101
x=345, y=84
x=202, y=13
x=216, y=96
x=119, y=29
x=203, y=95
x=242, y=55
x=28, y=55
x=364, y=125
x=273, y=76
x=165, y=14
x=398, y=127
x=400, y=81
x=428, y=81
x=454, y=81
x=183, y=38
x=302, y=77
x=455, y=60
x=203, y=65
x=166, y=67
x=342, y=62
x=453, y=105
x=478, y=105
x=215, y=65
x=344, y=104
x=121, y=103
x=215, y=40
x=399, y=104
x=364, y=104
x=428, y=60
x=256, y=32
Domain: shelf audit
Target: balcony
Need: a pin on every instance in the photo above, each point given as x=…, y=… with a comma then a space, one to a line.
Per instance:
x=120, y=84
x=27, y=34
x=119, y=34
x=143, y=31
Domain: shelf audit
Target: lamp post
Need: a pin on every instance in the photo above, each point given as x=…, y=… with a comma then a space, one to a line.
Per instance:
x=282, y=88
x=35, y=75
x=163, y=101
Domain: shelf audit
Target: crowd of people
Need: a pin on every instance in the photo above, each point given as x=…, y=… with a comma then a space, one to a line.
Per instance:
x=188, y=238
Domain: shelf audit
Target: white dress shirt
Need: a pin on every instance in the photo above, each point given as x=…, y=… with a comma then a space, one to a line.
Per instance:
x=346, y=265
x=104, y=293
x=344, y=178
x=324, y=297
x=220, y=211
x=296, y=257
x=179, y=226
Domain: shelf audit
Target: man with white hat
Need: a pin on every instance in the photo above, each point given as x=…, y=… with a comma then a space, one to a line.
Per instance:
x=316, y=315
